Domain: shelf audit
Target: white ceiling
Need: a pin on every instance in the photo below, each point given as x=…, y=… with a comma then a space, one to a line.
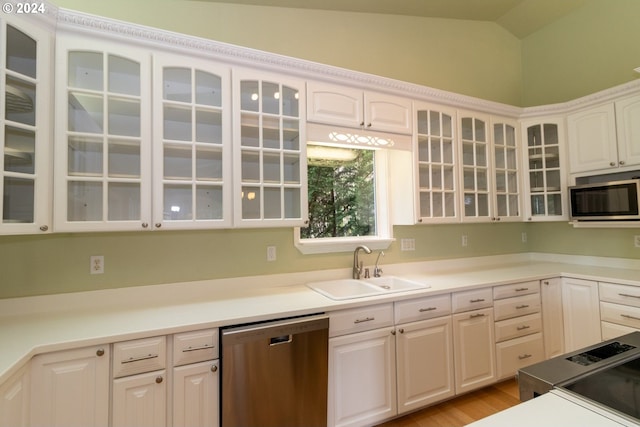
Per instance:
x=520, y=17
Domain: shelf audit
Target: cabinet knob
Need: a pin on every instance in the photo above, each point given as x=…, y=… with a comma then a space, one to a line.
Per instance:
x=145, y=225
x=621, y=162
x=100, y=352
x=361, y=123
x=402, y=330
x=44, y=228
x=158, y=224
x=214, y=368
x=369, y=125
x=420, y=220
x=159, y=379
x=393, y=332
x=612, y=163
x=546, y=282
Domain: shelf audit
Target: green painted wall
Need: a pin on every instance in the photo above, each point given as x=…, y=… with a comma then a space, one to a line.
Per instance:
x=592, y=49
x=477, y=59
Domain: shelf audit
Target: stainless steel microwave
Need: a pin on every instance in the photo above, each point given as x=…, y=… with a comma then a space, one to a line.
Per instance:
x=607, y=201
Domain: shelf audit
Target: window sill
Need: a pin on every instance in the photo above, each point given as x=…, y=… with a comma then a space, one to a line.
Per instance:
x=340, y=244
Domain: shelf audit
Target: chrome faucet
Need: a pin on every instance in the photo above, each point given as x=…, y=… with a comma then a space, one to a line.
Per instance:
x=358, y=265
x=377, y=271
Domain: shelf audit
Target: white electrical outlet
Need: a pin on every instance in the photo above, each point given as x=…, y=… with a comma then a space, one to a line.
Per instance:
x=465, y=240
x=524, y=237
x=407, y=244
x=636, y=241
x=97, y=264
x=271, y=253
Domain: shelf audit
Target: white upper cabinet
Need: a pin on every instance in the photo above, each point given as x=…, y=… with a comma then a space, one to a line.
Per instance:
x=628, y=126
x=103, y=136
x=346, y=106
x=192, y=143
x=605, y=137
x=270, y=164
x=544, y=179
x=25, y=118
x=435, y=154
x=507, y=205
x=592, y=139
x=475, y=169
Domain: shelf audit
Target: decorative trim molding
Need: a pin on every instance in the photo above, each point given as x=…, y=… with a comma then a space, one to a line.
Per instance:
x=236, y=55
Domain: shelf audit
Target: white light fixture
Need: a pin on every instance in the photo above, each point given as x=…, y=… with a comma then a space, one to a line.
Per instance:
x=325, y=152
x=254, y=96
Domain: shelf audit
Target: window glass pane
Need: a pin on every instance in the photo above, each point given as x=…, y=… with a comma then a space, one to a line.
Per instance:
x=208, y=89
x=124, y=201
x=341, y=190
x=18, y=200
x=20, y=101
x=177, y=202
x=177, y=84
x=19, y=150
x=84, y=201
x=124, y=75
x=21, y=52
x=208, y=202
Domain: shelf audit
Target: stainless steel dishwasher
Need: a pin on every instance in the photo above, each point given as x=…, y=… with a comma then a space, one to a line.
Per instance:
x=275, y=374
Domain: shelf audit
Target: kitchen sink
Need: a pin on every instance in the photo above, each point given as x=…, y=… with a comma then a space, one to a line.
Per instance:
x=343, y=289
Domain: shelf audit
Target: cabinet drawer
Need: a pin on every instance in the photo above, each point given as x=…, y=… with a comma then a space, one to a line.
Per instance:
x=518, y=327
x=139, y=356
x=613, y=330
x=516, y=289
x=471, y=300
x=360, y=319
x=422, y=308
x=197, y=346
x=620, y=314
x=517, y=353
x=622, y=294
x=518, y=306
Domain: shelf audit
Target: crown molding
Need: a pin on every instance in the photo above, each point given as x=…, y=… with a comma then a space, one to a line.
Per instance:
x=68, y=20
x=73, y=21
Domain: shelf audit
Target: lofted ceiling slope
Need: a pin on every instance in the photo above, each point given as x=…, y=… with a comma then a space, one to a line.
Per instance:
x=520, y=17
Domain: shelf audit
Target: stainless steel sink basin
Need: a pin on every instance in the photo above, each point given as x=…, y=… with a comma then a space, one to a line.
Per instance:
x=352, y=288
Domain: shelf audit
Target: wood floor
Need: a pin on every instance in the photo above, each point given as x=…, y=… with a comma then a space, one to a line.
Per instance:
x=464, y=409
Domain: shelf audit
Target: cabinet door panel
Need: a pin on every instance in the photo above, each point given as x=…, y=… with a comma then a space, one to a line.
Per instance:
x=71, y=388
x=195, y=395
x=581, y=312
x=140, y=400
x=14, y=399
x=334, y=105
x=362, y=378
x=474, y=349
x=628, y=124
x=592, y=139
x=425, y=363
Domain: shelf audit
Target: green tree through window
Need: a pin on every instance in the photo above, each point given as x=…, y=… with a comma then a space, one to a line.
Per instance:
x=341, y=197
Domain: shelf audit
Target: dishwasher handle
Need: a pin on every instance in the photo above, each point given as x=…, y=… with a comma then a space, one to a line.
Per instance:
x=282, y=339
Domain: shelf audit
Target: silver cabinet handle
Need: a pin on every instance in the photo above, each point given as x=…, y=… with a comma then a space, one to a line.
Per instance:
x=521, y=289
x=518, y=307
x=477, y=300
x=473, y=316
x=422, y=310
x=366, y=319
x=202, y=347
x=138, y=359
x=629, y=295
x=523, y=327
x=524, y=356
x=628, y=316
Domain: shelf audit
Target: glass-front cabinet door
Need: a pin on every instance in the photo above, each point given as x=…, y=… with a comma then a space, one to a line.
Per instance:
x=506, y=171
x=103, y=161
x=435, y=154
x=475, y=168
x=25, y=117
x=192, y=148
x=545, y=178
x=270, y=175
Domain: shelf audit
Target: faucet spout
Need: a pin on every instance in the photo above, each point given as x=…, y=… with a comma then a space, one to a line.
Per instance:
x=357, y=264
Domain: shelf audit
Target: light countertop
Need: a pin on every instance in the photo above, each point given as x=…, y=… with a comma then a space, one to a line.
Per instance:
x=33, y=325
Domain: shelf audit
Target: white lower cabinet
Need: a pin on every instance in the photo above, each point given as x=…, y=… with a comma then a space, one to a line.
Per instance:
x=195, y=395
x=14, y=399
x=474, y=349
x=362, y=378
x=424, y=356
x=196, y=379
x=70, y=388
x=362, y=366
x=619, y=309
x=140, y=400
x=581, y=313
x=139, y=393
x=552, y=320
